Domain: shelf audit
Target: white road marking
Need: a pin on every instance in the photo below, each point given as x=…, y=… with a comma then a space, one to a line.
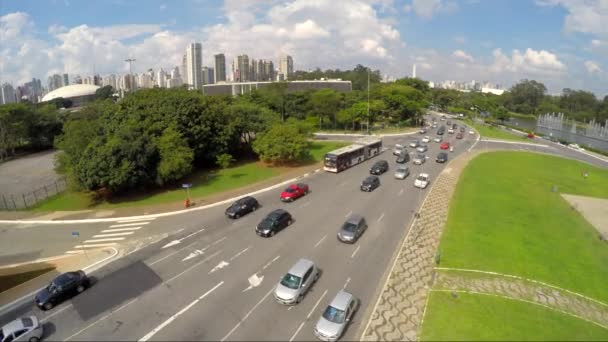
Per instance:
x=101, y=319
x=75, y=252
x=193, y=266
x=239, y=253
x=218, y=241
x=318, y=243
x=308, y=316
x=103, y=240
x=42, y=320
x=355, y=252
x=270, y=262
x=112, y=234
x=171, y=254
x=179, y=313
x=254, y=281
x=195, y=253
x=247, y=315
x=137, y=219
x=380, y=218
x=120, y=230
x=219, y=266
x=129, y=224
x=346, y=283
x=178, y=241
x=347, y=215
x=400, y=192
x=290, y=307
x=96, y=245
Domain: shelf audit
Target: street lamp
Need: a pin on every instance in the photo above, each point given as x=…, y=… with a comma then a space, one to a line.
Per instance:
x=368, y=101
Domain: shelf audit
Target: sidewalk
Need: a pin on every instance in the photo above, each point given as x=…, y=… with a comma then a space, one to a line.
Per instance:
x=161, y=208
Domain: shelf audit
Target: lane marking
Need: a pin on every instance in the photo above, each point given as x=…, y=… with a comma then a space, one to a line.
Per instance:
x=103, y=240
x=95, y=245
x=308, y=316
x=179, y=313
x=247, y=315
x=178, y=241
x=219, y=266
x=346, y=283
x=270, y=262
x=112, y=234
x=120, y=230
x=137, y=219
x=172, y=253
x=42, y=320
x=347, y=215
x=101, y=319
x=218, y=241
x=355, y=252
x=129, y=224
x=193, y=266
x=239, y=254
x=380, y=218
x=318, y=243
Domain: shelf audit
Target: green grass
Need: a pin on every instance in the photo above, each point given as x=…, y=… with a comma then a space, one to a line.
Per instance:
x=386, y=130
x=505, y=218
x=12, y=280
x=484, y=318
x=495, y=132
x=205, y=183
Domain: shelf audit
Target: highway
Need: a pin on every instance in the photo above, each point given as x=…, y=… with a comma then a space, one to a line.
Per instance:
x=202, y=276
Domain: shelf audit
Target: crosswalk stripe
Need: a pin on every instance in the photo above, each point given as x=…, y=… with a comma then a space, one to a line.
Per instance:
x=96, y=245
x=128, y=224
x=110, y=235
x=120, y=229
x=135, y=220
x=103, y=240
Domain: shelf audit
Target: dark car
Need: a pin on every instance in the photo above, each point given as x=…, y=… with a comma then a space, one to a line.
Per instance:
x=441, y=130
x=379, y=167
x=242, y=207
x=274, y=222
x=462, y=129
x=64, y=287
x=454, y=126
x=442, y=157
x=352, y=229
x=403, y=158
x=370, y=183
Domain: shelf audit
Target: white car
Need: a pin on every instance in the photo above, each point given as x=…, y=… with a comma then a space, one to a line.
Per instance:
x=414, y=143
x=438, y=139
x=451, y=131
x=422, y=181
x=426, y=139
x=22, y=329
x=471, y=132
x=398, y=149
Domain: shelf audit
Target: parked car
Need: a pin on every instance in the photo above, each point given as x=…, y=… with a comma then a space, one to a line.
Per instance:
x=445, y=145
x=438, y=139
x=402, y=172
x=336, y=316
x=22, y=329
x=242, y=206
x=379, y=167
x=403, y=158
x=274, y=222
x=414, y=143
x=459, y=135
x=449, y=123
x=442, y=157
x=419, y=159
x=426, y=139
x=63, y=287
x=434, y=125
x=294, y=192
x=370, y=183
x=398, y=149
x=294, y=285
x=422, y=181
x=352, y=229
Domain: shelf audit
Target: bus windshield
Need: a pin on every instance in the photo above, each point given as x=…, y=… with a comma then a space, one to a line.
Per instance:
x=330, y=160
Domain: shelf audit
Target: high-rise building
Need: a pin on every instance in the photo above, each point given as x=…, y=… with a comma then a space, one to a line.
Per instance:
x=208, y=75
x=184, y=69
x=7, y=94
x=269, y=72
x=128, y=82
x=194, y=65
x=285, y=67
x=145, y=80
x=175, y=73
x=54, y=82
x=66, y=80
x=414, y=71
x=240, y=68
x=161, y=78
x=110, y=81
x=220, y=68
x=77, y=79
x=253, y=70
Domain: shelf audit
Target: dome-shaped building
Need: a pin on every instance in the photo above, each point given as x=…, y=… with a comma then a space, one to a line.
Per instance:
x=77, y=93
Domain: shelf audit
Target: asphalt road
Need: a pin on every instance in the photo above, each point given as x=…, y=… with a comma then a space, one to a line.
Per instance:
x=211, y=278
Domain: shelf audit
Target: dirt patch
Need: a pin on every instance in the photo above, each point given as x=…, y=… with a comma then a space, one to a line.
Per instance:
x=595, y=210
x=10, y=281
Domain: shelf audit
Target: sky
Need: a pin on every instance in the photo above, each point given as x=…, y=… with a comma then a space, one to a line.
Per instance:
x=562, y=43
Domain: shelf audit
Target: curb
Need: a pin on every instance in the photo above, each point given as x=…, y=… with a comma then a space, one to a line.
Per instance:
x=515, y=142
x=363, y=135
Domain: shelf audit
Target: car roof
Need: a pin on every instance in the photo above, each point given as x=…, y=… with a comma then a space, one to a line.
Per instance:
x=424, y=174
x=341, y=300
x=301, y=267
x=245, y=199
x=442, y=154
x=13, y=326
x=381, y=161
x=276, y=213
x=354, y=218
x=371, y=177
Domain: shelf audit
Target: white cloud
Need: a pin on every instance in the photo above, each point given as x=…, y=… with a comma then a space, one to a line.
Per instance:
x=309, y=30
x=426, y=9
x=162, y=7
x=462, y=55
x=530, y=61
x=14, y=25
x=592, y=67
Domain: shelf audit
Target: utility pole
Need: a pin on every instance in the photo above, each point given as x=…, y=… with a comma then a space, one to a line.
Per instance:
x=367, y=101
x=130, y=61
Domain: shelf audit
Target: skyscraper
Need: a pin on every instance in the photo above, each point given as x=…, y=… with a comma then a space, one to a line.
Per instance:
x=194, y=65
x=208, y=75
x=220, y=68
x=240, y=68
x=269, y=71
x=285, y=67
x=66, y=80
x=253, y=70
x=161, y=78
x=54, y=82
x=414, y=71
x=7, y=94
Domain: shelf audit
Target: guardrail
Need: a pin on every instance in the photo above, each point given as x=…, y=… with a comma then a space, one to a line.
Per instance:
x=30, y=199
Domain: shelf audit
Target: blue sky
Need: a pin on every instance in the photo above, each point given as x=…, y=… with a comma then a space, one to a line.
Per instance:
x=563, y=43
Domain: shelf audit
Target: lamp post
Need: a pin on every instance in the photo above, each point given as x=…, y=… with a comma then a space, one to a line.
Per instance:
x=367, y=101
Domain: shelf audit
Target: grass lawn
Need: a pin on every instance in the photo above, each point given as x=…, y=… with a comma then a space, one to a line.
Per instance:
x=205, y=183
x=505, y=218
x=386, y=130
x=495, y=132
x=486, y=318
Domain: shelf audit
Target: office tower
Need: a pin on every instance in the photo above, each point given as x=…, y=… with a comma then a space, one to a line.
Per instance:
x=414, y=71
x=285, y=67
x=208, y=75
x=269, y=71
x=7, y=94
x=161, y=78
x=110, y=81
x=240, y=68
x=194, y=66
x=220, y=68
x=253, y=70
x=66, y=80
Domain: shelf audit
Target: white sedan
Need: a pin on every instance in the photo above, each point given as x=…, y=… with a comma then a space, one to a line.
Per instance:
x=422, y=181
x=471, y=132
x=426, y=139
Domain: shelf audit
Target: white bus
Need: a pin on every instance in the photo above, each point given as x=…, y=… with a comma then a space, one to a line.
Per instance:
x=345, y=157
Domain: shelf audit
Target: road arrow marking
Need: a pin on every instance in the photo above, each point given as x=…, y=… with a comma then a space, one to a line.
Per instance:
x=178, y=241
x=254, y=281
x=219, y=266
x=196, y=253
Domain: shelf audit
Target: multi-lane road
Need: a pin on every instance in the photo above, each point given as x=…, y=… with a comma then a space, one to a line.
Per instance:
x=210, y=278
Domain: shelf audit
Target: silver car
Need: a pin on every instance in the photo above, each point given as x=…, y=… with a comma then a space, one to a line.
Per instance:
x=336, y=316
x=419, y=159
x=22, y=329
x=402, y=172
x=352, y=229
x=414, y=143
x=438, y=139
x=296, y=283
x=422, y=148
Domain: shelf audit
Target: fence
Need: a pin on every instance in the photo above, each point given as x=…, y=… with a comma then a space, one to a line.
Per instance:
x=29, y=199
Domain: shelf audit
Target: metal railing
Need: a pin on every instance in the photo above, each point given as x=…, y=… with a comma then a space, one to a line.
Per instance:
x=29, y=199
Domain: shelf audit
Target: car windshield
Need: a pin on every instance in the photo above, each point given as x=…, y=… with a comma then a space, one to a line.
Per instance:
x=266, y=223
x=291, y=281
x=422, y=178
x=290, y=190
x=421, y=156
x=334, y=315
x=401, y=170
x=349, y=227
x=27, y=322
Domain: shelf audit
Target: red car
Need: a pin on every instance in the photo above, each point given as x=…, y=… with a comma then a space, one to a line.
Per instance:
x=530, y=135
x=445, y=146
x=294, y=192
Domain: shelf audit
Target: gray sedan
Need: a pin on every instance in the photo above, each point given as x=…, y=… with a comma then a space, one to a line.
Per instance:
x=22, y=329
x=422, y=148
x=336, y=316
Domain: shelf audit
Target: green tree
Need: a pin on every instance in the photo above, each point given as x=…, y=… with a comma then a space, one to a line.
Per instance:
x=175, y=157
x=282, y=143
x=224, y=160
x=325, y=104
x=526, y=96
x=415, y=83
x=104, y=93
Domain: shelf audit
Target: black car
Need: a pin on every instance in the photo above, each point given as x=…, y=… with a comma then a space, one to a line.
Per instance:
x=370, y=183
x=462, y=129
x=379, y=167
x=454, y=126
x=274, y=222
x=403, y=158
x=442, y=157
x=65, y=286
x=242, y=207
x=441, y=130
